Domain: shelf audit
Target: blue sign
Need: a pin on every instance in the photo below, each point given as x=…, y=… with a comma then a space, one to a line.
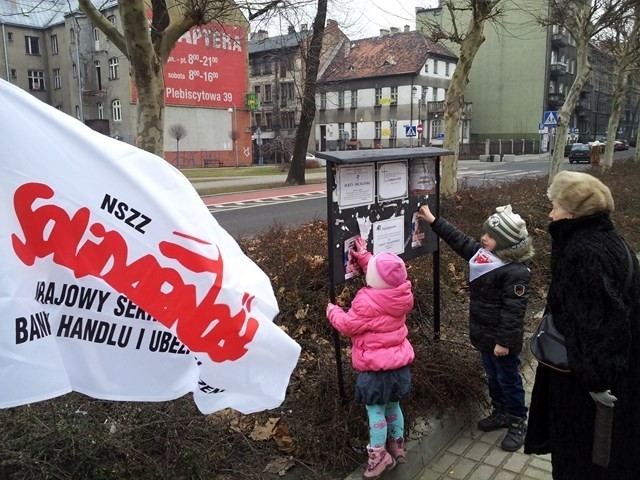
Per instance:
x=550, y=118
x=440, y=136
x=410, y=131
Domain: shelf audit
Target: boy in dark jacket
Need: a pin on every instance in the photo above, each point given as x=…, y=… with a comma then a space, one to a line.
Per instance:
x=499, y=291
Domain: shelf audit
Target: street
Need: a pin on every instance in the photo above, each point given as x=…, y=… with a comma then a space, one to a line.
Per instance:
x=250, y=217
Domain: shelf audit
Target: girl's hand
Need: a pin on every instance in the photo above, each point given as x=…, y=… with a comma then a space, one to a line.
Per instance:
x=330, y=306
x=360, y=248
x=425, y=214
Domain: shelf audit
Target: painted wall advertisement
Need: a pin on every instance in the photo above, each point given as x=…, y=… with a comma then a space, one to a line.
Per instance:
x=207, y=67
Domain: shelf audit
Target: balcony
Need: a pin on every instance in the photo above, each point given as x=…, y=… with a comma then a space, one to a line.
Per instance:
x=434, y=108
x=558, y=68
x=556, y=99
x=560, y=39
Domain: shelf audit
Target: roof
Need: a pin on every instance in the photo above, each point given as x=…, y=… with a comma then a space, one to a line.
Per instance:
x=383, y=154
x=289, y=40
x=395, y=54
x=40, y=14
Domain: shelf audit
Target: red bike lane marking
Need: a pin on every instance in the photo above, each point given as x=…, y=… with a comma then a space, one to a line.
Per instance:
x=262, y=194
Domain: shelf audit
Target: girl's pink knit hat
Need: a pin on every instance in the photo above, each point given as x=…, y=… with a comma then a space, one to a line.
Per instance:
x=386, y=270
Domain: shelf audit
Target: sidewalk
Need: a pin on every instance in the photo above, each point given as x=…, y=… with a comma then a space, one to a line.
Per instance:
x=458, y=450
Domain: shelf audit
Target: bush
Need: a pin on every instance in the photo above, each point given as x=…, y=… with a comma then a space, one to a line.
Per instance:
x=76, y=437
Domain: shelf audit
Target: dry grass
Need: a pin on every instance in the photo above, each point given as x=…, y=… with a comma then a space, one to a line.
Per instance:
x=75, y=437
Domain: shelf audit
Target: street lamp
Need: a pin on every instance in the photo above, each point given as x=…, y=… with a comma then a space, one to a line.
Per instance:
x=234, y=132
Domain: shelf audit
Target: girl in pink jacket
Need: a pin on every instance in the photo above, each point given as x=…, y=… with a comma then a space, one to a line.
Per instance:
x=381, y=352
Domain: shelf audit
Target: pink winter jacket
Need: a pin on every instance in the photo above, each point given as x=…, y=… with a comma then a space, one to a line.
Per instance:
x=376, y=323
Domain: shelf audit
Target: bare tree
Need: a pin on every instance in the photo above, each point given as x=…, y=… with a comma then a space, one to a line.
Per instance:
x=623, y=46
x=467, y=19
x=308, y=113
x=147, y=46
x=177, y=131
x=584, y=21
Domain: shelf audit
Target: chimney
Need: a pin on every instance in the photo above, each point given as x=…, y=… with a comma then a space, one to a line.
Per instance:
x=303, y=27
x=347, y=48
x=259, y=35
x=384, y=32
x=407, y=28
x=394, y=30
x=292, y=29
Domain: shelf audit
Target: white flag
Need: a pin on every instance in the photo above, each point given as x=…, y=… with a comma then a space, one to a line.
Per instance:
x=116, y=281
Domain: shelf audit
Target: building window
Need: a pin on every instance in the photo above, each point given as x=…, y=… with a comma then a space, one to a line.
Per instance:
x=54, y=44
x=100, y=108
x=74, y=68
x=436, y=128
x=266, y=66
x=394, y=96
x=426, y=68
x=354, y=98
x=72, y=35
x=32, y=45
x=112, y=19
x=258, y=120
x=340, y=100
x=36, y=80
x=256, y=90
x=323, y=101
x=10, y=36
x=354, y=130
x=378, y=98
x=378, y=129
x=96, y=39
x=289, y=120
x=116, y=111
x=14, y=73
x=78, y=112
x=113, y=68
x=267, y=93
x=59, y=107
x=57, y=79
x=435, y=67
x=269, y=119
x=446, y=69
x=393, y=127
x=98, y=74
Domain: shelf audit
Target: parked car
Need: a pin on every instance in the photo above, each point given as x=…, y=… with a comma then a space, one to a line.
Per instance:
x=621, y=145
x=579, y=153
x=567, y=149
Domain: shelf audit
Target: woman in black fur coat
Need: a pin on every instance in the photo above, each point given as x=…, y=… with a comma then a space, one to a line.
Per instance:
x=595, y=299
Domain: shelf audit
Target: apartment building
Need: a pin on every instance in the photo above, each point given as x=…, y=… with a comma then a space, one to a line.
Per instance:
x=523, y=70
x=386, y=91
x=277, y=76
x=53, y=51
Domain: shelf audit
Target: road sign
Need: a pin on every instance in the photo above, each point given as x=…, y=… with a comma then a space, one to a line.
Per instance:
x=550, y=118
x=440, y=136
x=410, y=131
x=542, y=128
x=258, y=135
x=419, y=129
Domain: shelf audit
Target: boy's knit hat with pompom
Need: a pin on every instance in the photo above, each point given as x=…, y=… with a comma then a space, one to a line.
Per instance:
x=508, y=229
x=386, y=270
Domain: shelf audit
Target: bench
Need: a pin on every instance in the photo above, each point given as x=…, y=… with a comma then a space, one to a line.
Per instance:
x=212, y=162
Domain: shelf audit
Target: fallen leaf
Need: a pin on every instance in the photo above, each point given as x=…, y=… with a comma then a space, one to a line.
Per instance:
x=283, y=439
x=280, y=465
x=264, y=432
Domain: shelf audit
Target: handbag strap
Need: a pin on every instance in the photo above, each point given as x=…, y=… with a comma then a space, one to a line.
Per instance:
x=627, y=282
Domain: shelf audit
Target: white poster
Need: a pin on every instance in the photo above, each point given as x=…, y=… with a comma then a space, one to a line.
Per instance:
x=422, y=179
x=388, y=235
x=355, y=185
x=117, y=282
x=392, y=180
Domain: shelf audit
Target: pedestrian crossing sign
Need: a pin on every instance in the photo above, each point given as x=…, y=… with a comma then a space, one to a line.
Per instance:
x=550, y=119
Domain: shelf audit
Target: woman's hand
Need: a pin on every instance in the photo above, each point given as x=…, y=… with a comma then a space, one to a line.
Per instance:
x=425, y=214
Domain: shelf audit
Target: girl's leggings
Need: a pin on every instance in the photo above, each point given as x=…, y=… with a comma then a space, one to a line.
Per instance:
x=384, y=421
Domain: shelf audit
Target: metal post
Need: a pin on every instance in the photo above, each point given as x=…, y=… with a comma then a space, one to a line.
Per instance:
x=234, y=133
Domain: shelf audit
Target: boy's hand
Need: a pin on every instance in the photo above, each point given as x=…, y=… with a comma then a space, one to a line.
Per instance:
x=500, y=351
x=425, y=214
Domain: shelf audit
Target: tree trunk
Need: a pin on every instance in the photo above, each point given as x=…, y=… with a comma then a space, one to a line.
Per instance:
x=312, y=65
x=564, y=114
x=454, y=107
x=619, y=91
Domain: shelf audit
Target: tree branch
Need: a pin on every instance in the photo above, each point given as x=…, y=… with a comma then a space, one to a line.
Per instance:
x=100, y=21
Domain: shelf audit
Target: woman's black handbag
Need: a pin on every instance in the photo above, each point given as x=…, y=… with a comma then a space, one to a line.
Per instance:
x=547, y=345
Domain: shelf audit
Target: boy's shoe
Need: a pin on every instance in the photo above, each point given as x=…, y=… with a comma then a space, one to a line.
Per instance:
x=395, y=447
x=379, y=461
x=497, y=420
x=514, y=438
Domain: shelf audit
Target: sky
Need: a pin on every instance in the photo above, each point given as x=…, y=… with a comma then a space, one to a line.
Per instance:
x=357, y=18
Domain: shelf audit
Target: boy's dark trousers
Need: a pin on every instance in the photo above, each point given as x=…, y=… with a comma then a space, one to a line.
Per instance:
x=505, y=383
